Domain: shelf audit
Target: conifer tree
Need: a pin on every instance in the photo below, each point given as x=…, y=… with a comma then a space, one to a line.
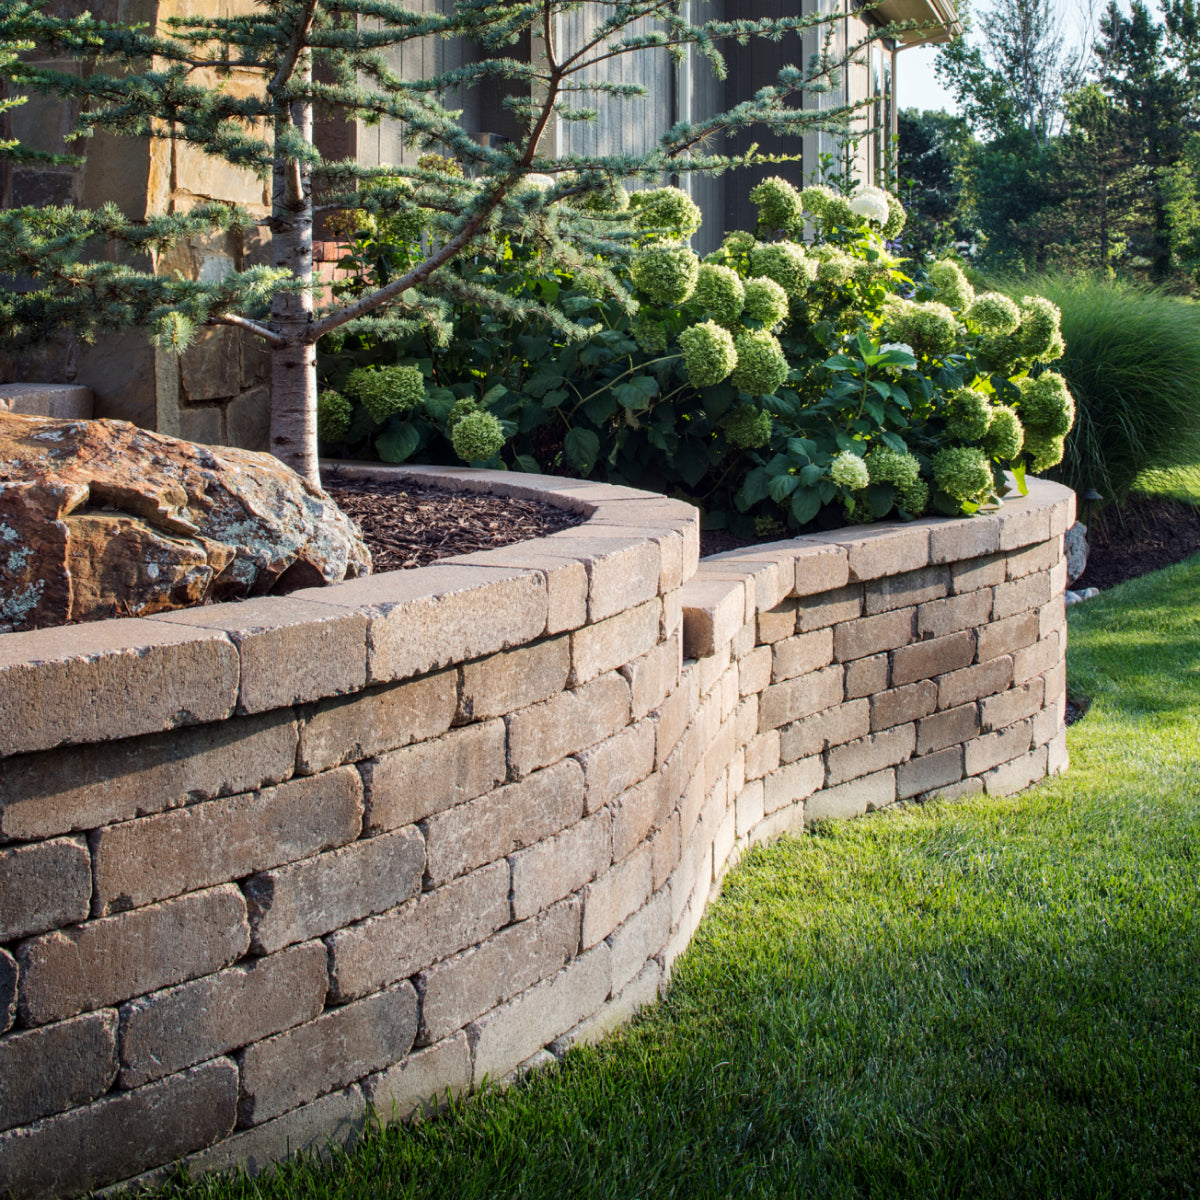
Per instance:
x=332, y=56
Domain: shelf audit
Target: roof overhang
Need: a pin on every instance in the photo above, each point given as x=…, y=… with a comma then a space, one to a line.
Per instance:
x=937, y=20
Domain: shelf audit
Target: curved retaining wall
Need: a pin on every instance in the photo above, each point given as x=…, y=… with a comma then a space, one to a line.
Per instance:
x=265, y=864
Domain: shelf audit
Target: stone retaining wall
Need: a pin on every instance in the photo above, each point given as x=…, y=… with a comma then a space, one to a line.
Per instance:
x=265, y=864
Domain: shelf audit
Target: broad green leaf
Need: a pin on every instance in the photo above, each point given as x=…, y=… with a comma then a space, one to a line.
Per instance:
x=806, y=503
x=880, y=496
x=528, y=464
x=893, y=442
x=811, y=474
x=397, y=443
x=781, y=487
x=754, y=489
x=582, y=446
x=1019, y=475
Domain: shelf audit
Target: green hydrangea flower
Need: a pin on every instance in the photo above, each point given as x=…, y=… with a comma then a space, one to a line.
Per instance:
x=968, y=415
x=1038, y=334
x=650, y=336
x=609, y=198
x=738, y=241
x=1047, y=404
x=930, y=329
x=785, y=263
x=747, y=427
x=994, y=313
x=814, y=199
x=839, y=213
x=477, y=437
x=849, y=471
x=387, y=390
x=1005, y=435
x=779, y=205
x=834, y=265
x=859, y=511
x=667, y=273
x=761, y=367
x=1045, y=450
x=462, y=408
x=766, y=302
x=333, y=417
x=885, y=465
x=963, y=473
x=950, y=285
x=912, y=497
x=666, y=212
x=708, y=354
x=719, y=291
x=896, y=218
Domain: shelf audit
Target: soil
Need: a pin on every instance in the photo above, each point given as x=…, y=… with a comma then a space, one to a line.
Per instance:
x=1146, y=535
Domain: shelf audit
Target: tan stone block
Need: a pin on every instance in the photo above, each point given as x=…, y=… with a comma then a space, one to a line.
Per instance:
x=417, y=1086
x=635, y=814
x=801, y=654
x=1016, y=704
x=464, y=987
x=1057, y=758
x=652, y=677
x=566, y=579
x=925, y=660
x=606, y=645
x=618, y=763
x=870, y=635
x=970, y=786
x=369, y=955
x=43, y=886
x=1017, y=596
x=84, y=787
x=1007, y=636
x=711, y=669
x=170, y=1030
x=902, y=704
x=154, y=858
x=1052, y=617
x=964, y=538
x=1039, y=557
x=567, y=723
x=104, y=680
x=815, y=734
x=508, y=819
x=415, y=782
x=560, y=865
x=904, y=591
x=290, y=650
x=777, y=624
x=939, y=618
x=929, y=773
x=640, y=937
x=621, y=890
x=121, y=1135
x=754, y=670
x=57, y=1067
x=983, y=679
x=1017, y=774
x=713, y=612
x=991, y=749
x=744, y=641
x=1050, y=721
x=865, y=676
x=342, y=1045
x=377, y=720
x=855, y=759
x=1039, y=658
x=719, y=752
x=883, y=549
x=977, y=573
x=762, y=754
x=767, y=582
x=750, y=807
x=783, y=703
x=105, y=961
x=9, y=976
x=820, y=568
x=675, y=713
x=1023, y=521
x=623, y=569
x=512, y=679
x=947, y=728
x=828, y=608
x=665, y=848
x=793, y=783
x=1056, y=682
x=308, y=898
x=725, y=850
x=853, y=799
x=60, y=401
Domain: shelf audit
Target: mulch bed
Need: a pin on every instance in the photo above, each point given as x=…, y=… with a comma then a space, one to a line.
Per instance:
x=1146, y=535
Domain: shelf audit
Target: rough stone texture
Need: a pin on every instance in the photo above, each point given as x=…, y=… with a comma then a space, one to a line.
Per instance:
x=713, y=611
x=62, y=401
x=43, y=886
x=946, y=728
x=112, y=959
x=419, y=1085
x=870, y=635
x=832, y=727
x=618, y=763
x=169, y=1030
x=862, y=795
x=865, y=676
x=903, y=591
x=959, y=687
x=777, y=624
x=870, y=754
x=924, y=660
x=652, y=677
x=340, y=1046
x=1075, y=547
x=560, y=865
x=939, y=618
x=513, y=679
x=793, y=783
x=1008, y=636
x=801, y=654
x=622, y=890
x=902, y=704
x=828, y=608
x=927, y=774
x=612, y=643
x=786, y=702
x=312, y=897
x=154, y=858
x=181, y=524
x=572, y=721
x=56, y=1067
x=9, y=976
x=991, y=749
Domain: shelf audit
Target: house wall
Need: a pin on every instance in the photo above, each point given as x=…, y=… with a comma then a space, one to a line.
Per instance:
x=263, y=865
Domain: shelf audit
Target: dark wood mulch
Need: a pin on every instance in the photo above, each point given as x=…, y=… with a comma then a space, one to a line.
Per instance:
x=1144, y=536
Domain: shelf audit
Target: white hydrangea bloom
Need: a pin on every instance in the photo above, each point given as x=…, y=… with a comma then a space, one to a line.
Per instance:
x=871, y=204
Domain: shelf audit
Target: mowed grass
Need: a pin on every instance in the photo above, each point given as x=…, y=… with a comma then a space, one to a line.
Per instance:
x=989, y=998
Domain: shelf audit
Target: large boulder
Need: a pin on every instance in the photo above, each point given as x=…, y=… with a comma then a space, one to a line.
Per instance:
x=101, y=519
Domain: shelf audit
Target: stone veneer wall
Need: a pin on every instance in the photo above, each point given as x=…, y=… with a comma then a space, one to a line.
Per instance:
x=264, y=864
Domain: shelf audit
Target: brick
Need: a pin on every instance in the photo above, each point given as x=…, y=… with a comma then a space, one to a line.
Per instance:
x=1023, y=521
x=617, y=763
x=415, y=782
x=1034, y=558
x=777, y=624
x=340, y=1046
x=639, y=938
x=1037, y=659
x=991, y=749
x=1049, y=722
x=84, y=787
x=865, y=676
x=815, y=734
x=1017, y=774
x=828, y=608
x=154, y=858
x=47, y=1070
x=1052, y=617
x=652, y=677
x=377, y=720
x=105, y=961
x=464, y=987
x=512, y=679
x=9, y=976
x=417, y=1086
x=569, y=722
x=793, y=783
x=672, y=613
x=902, y=704
x=614, y=642
x=786, y=702
x=306, y=899
x=1056, y=681
x=1057, y=760
x=925, y=660
x=121, y=1135
x=929, y=773
x=744, y=640
x=870, y=635
x=43, y=886
x=665, y=848
x=566, y=579
x=621, y=573
x=713, y=612
x=560, y=865
x=852, y=799
x=106, y=680
x=720, y=751
x=621, y=890
x=1021, y=594
x=1008, y=636
x=754, y=670
x=947, y=728
x=821, y=568
x=964, y=538
x=970, y=786
x=801, y=654
x=939, y=618
x=513, y=1032
x=635, y=814
x=176, y=1028
x=745, y=720
x=870, y=754
x=711, y=668
x=970, y=683
x=978, y=573
x=883, y=549
x=765, y=582
x=371, y=954
x=904, y=591
x=750, y=807
x=675, y=714
x=1016, y=704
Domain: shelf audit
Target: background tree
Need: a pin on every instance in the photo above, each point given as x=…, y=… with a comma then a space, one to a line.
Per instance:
x=931, y=149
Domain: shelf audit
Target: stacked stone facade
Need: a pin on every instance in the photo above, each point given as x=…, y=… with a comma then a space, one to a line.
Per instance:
x=265, y=865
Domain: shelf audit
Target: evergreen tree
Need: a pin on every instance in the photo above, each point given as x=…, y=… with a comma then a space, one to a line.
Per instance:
x=170, y=81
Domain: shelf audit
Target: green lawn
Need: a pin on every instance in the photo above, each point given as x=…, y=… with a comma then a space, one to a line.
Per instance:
x=973, y=999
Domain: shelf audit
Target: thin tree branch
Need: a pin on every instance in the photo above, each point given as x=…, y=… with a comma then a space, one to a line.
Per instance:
x=295, y=47
x=267, y=334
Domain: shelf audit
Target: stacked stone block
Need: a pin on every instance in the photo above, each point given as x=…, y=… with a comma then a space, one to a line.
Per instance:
x=263, y=866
